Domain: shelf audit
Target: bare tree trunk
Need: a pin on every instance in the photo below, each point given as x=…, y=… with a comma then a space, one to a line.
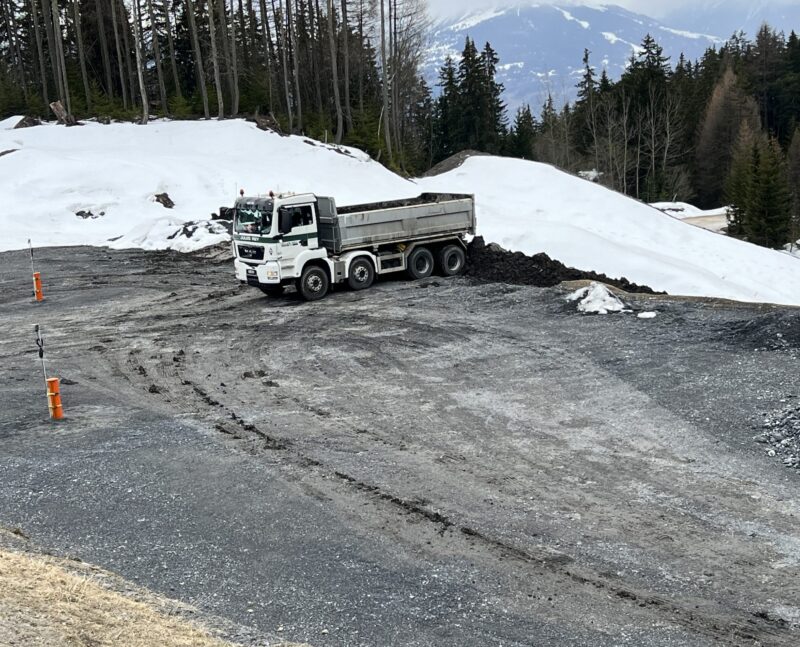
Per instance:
x=198, y=57
x=62, y=65
x=243, y=32
x=335, y=72
x=122, y=80
x=162, y=88
x=51, y=47
x=81, y=57
x=361, y=57
x=40, y=52
x=222, y=14
x=295, y=66
x=348, y=113
x=267, y=48
x=101, y=32
x=137, y=41
x=315, y=18
x=234, y=61
x=125, y=26
x=171, y=46
x=280, y=26
x=13, y=42
x=385, y=84
x=215, y=62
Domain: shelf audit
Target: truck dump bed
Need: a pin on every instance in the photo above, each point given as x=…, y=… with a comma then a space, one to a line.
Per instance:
x=428, y=216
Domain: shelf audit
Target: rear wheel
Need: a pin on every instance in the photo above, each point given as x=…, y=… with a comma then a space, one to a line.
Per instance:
x=452, y=260
x=361, y=274
x=420, y=263
x=271, y=290
x=313, y=284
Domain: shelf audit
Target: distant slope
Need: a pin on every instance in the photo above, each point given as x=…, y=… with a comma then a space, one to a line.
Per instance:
x=541, y=46
x=56, y=171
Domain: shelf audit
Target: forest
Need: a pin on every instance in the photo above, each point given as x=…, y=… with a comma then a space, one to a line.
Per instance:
x=724, y=129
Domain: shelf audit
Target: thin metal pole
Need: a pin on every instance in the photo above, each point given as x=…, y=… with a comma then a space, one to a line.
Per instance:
x=40, y=344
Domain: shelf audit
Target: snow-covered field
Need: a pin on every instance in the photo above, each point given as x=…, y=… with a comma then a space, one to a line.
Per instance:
x=116, y=170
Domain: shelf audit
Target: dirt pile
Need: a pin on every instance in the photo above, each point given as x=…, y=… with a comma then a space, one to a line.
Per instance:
x=493, y=263
x=781, y=432
x=778, y=330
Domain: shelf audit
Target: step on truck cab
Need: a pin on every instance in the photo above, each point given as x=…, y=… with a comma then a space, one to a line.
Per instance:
x=306, y=241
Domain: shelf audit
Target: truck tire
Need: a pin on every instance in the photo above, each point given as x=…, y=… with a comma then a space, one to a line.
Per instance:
x=271, y=290
x=313, y=284
x=420, y=263
x=452, y=260
x=361, y=274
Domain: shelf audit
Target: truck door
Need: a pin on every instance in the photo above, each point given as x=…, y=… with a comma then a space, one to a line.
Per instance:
x=298, y=226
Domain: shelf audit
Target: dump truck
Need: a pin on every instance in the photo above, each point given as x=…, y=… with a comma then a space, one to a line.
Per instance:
x=306, y=241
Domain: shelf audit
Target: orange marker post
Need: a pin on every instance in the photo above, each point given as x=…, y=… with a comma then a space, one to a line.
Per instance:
x=37, y=286
x=37, y=277
x=54, y=398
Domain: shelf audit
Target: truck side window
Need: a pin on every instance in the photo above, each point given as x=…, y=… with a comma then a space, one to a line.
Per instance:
x=302, y=216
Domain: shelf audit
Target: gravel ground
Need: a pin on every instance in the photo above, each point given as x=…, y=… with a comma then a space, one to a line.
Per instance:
x=449, y=462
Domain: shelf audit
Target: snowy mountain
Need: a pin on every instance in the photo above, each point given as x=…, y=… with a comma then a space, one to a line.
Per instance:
x=541, y=46
x=53, y=176
x=731, y=16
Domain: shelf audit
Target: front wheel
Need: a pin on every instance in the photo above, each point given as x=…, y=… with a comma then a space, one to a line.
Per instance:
x=313, y=284
x=361, y=274
x=420, y=263
x=452, y=260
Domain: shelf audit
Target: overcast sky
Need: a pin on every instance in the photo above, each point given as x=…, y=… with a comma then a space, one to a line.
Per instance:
x=652, y=8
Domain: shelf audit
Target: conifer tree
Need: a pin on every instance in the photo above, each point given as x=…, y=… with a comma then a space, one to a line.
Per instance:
x=738, y=187
x=768, y=216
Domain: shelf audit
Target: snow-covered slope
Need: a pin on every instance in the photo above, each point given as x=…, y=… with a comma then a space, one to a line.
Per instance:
x=56, y=172
x=116, y=170
x=534, y=207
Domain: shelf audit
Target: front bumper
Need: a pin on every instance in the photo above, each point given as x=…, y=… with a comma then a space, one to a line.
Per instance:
x=258, y=274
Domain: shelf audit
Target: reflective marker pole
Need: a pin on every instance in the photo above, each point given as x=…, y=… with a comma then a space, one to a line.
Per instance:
x=40, y=344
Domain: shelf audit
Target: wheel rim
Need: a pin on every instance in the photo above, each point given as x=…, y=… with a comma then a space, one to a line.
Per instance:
x=421, y=264
x=453, y=262
x=314, y=283
x=361, y=273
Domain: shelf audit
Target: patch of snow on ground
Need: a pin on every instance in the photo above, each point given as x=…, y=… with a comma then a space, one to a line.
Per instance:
x=686, y=210
x=647, y=315
x=596, y=299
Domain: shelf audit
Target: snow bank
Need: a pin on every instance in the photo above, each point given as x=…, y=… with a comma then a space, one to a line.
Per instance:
x=596, y=298
x=685, y=210
x=116, y=171
x=531, y=207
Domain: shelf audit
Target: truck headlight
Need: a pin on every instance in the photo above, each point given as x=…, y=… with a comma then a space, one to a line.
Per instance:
x=272, y=271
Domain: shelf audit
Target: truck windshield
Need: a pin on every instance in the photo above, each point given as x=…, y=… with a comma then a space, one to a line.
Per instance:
x=253, y=221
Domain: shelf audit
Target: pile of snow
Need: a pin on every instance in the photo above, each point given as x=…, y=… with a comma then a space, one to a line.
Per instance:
x=596, y=298
x=532, y=207
x=55, y=172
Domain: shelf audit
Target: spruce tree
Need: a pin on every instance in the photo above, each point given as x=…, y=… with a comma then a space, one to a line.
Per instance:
x=793, y=162
x=768, y=217
x=738, y=187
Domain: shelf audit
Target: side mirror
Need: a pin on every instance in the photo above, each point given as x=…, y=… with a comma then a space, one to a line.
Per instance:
x=284, y=221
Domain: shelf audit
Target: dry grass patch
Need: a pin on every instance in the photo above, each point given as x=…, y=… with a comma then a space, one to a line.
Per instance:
x=46, y=601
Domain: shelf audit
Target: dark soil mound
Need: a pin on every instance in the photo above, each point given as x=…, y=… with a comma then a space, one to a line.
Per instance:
x=771, y=331
x=492, y=263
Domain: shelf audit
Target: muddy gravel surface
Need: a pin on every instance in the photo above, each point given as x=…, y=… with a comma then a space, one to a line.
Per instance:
x=448, y=461
x=493, y=263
